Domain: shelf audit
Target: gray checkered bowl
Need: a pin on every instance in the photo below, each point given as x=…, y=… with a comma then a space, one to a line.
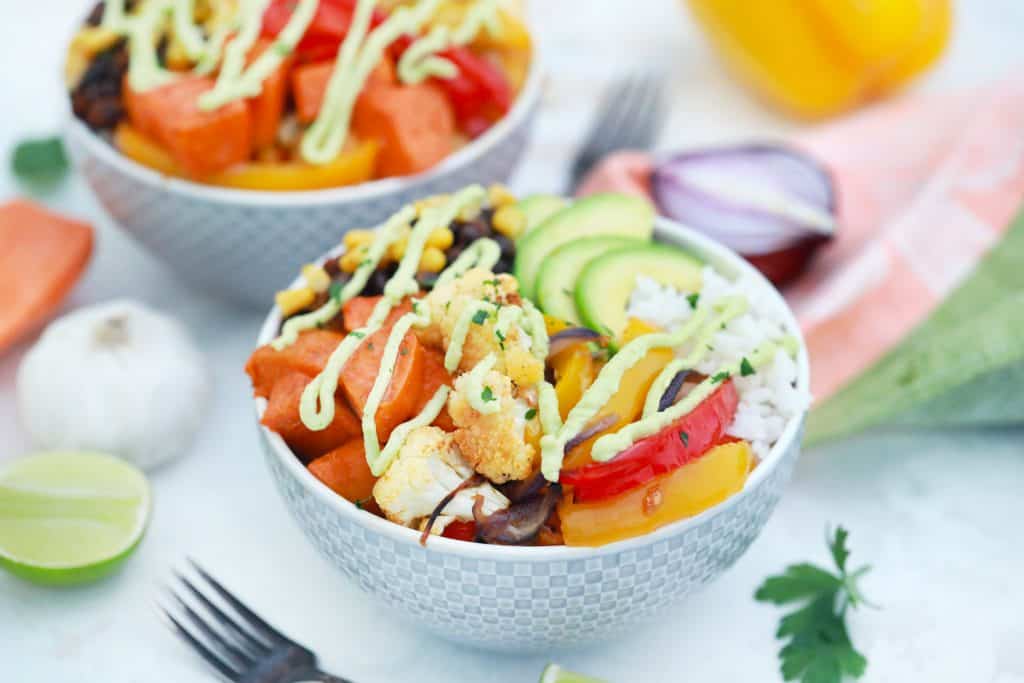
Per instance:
x=537, y=598
x=242, y=245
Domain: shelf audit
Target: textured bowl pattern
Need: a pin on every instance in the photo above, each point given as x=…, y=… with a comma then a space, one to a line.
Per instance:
x=244, y=246
x=516, y=599
x=534, y=604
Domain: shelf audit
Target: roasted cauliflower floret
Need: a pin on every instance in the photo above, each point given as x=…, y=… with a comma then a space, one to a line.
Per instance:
x=512, y=348
x=500, y=445
x=428, y=468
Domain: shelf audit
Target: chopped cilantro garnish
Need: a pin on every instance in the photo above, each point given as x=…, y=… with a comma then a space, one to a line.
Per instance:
x=487, y=395
x=334, y=291
x=720, y=377
x=357, y=334
x=369, y=346
x=479, y=317
x=685, y=438
x=403, y=351
x=746, y=369
x=531, y=413
x=693, y=299
x=501, y=338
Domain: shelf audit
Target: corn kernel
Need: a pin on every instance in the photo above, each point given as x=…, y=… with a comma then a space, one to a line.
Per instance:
x=350, y=260
x=291, y=301
x=432, y=260
x=499, y=196
x=93, y=40
x=442, y=238
x=176, y=57
x=510, y=221
x=357, y=238
x=316, y=277
x=396, y=250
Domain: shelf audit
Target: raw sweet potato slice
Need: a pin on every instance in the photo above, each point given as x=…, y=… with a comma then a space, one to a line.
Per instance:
x=282, y=416
x=308, y=356
x=345, y=471
x=42, y=255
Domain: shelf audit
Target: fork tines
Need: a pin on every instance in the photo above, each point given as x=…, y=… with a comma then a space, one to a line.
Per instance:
x=221, y=629
x=630, y=115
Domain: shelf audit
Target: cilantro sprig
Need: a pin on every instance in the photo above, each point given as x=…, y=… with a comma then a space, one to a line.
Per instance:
x=819, y=649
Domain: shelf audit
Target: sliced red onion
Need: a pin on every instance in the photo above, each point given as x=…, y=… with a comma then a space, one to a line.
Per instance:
x=771, y=204
x=516, y=491
x=591, y=429
x=519, y=522
x=562, y=340
x=668, y=398
x=470, y=482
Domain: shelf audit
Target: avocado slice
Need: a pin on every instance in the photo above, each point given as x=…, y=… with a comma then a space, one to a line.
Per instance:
x=599, y=214
x=539, y=207
x=604, y=286
x=556, y=281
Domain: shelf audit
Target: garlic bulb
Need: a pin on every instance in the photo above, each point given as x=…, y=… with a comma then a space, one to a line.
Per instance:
x=117, y=378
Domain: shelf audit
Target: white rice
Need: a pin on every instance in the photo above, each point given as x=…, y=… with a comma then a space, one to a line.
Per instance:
x=769, y=398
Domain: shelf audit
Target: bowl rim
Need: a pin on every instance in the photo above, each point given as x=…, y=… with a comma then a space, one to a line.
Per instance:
x=523, y=107
x=720, y=255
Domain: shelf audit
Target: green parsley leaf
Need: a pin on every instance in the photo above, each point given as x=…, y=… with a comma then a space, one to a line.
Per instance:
x=369, y=346
x=501, y=338
x=479, y=317
x=693, y=299
x=402, y=351
x=531, y=413
x=334, y=291
x=685, y=438
x=819, y=649
x=357, y=334
x=720, y=377
x=487, y=395
x=746, y=369
x=41, y=161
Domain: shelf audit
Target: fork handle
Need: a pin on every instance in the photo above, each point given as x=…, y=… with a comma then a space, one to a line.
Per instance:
x=324, y=677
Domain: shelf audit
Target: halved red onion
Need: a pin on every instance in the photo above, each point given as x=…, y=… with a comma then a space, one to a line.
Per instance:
x=563, y=339
x=771, y=204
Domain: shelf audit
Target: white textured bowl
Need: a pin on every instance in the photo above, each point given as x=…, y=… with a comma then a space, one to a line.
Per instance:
x=538, y=598
x=243, y=245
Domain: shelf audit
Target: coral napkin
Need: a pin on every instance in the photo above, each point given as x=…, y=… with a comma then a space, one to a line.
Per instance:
x=926, y=186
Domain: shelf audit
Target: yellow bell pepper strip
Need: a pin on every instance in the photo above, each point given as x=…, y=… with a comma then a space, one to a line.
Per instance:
x=682, y=493
x=353, y=166
x=628, y=402
x=575, y=370
x=816, y=58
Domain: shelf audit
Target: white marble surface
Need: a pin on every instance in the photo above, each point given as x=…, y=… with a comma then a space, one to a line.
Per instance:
x=937, y=514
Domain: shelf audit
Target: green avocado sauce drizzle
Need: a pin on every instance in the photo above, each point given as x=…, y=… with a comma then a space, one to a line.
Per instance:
x=316, y=406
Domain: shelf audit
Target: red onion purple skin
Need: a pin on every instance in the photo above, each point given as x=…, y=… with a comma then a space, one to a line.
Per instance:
x=713, y=215
x=562, y=340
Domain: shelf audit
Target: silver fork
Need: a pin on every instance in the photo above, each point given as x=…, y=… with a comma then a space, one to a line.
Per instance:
x=234, y=640
x=630, y=116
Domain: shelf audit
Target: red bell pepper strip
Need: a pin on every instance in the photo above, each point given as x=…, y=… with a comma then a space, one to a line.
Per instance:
x=480, y=94
x=460, y=531
x=328, y=28
x=682, y=442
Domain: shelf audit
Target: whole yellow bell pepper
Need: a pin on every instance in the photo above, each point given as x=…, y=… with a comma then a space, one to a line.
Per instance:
x=815, y=58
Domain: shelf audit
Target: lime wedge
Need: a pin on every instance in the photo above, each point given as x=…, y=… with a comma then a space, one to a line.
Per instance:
x=556, y=674
x=68, y=518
